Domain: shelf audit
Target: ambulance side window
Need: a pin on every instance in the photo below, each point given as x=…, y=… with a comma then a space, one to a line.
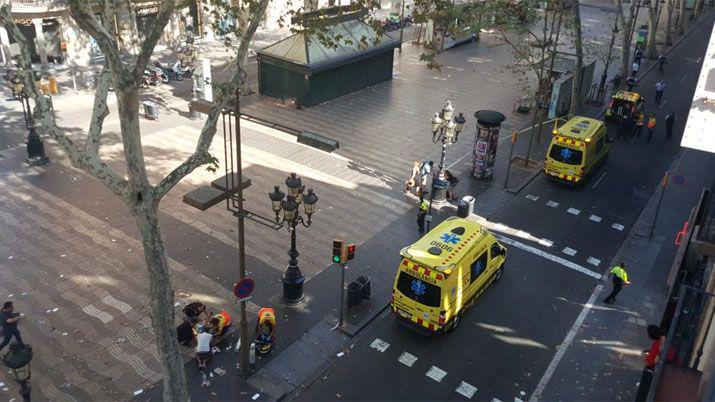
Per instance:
x=478, y=266
x=599, y=145
x=495, y=250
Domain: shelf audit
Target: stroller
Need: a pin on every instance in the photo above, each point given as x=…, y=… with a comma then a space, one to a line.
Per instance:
x=265, y=330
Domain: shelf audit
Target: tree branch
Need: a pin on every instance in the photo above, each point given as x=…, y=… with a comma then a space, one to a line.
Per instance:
x=147, y=47
x=99, y=112
x=84, y=16
x=44, y=115
x=201, y=155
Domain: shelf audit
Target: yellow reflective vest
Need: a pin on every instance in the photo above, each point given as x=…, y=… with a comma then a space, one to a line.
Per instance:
x=619, y=272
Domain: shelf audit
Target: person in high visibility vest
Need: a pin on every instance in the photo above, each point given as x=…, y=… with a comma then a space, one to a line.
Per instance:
x=619, y=278
x=421, y=215
x=220, y=322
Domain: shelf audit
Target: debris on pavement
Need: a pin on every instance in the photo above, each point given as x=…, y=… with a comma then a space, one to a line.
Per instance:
x=137, y=392
x=220, y=371
x=255, y=396
x=341, y=354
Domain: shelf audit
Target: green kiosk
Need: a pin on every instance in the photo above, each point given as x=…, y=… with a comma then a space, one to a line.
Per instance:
x=309, y=70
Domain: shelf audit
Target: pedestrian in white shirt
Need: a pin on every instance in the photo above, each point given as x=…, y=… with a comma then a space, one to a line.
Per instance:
x=203, y=346
x=634, y=69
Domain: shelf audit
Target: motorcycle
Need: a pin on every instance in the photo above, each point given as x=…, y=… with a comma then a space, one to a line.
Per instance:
x=152, y=77
x=175, y=72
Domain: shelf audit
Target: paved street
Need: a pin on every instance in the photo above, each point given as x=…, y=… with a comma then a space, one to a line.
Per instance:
x=72, y=260
x=507, y=340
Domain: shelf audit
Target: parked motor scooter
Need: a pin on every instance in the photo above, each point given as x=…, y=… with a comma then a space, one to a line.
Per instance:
x=150, y=77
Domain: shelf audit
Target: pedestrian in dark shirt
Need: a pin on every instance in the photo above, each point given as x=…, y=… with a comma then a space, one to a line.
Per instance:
x=421, y=215
x=669, y=122
x=631, y=82
x=659, y=88
x=638, y=56
x=9, y=324
x=640, y=121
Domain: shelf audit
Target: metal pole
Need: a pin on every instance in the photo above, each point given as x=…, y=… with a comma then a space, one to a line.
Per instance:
x=402, y=22
x=245, y=344
x=511, y=154
x=664, y=184
x=342, y=293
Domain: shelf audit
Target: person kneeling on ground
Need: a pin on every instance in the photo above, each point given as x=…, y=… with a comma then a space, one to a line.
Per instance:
x=219, y=323
x=203, y=346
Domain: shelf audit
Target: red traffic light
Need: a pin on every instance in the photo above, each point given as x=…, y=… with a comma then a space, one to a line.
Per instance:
x=351, y=248
x=351, y=252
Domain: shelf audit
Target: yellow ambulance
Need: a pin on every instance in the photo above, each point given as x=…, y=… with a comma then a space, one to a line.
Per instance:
x=577, y=149
x=443, y=273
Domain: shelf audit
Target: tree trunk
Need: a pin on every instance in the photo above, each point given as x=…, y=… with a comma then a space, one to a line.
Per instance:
x=652, y=49
x=696, y=9
x=680, y=22
x=626, y=27
x=161, y=298
x=668, y=22
x=577, y=74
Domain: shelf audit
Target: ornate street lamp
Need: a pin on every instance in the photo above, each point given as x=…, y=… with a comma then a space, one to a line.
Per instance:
x=289, y=204
x=445, y=129
x=17, y=360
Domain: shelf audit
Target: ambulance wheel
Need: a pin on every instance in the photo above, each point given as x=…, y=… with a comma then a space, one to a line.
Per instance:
x=455, y=322
x=499, y=273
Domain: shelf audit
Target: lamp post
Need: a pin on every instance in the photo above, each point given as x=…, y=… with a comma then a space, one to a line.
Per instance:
x=17, y=360
x=445, y=129
x=290, y=206
x=35, y=147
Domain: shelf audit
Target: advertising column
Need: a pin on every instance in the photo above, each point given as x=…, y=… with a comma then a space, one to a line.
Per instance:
x=485, y=143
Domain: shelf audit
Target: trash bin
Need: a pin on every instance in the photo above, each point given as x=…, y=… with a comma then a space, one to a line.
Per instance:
x=151, y=110
x=354, y=294
x=364, y=280
x=465, y=206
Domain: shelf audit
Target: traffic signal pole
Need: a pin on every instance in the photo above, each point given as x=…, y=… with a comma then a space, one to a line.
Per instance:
x=342, y=294
x=243, y=323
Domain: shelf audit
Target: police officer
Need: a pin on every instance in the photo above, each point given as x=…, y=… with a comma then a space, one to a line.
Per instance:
x=421, y=217
x=619, y=277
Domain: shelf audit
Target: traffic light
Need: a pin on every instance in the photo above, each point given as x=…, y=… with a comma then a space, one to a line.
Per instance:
x=350, y=251
x=338, y=247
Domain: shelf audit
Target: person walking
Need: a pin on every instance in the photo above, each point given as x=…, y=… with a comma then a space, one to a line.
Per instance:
x=619, y=278
x=9, y=324
x=669, y=122
x=634, y=69
x=659, y=88
x=651, y=126
x=453, y=181
x=421, y=215
x=631, y=83
x=640, y=121
x=661, y=62
x=638, y=56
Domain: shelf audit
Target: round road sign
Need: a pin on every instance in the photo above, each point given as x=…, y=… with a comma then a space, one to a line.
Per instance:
x=244, y=288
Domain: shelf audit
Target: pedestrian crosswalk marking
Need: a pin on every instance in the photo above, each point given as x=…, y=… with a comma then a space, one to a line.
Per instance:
x=407, y=359
x=618, y=226
x=466, y=389
x=573, y=211
x=594, y=218
x=552, y=204
x=594, y=261
x=436, y=373
x=569, y=251
x=380, y=345
x=532, y=197
x=546, y=242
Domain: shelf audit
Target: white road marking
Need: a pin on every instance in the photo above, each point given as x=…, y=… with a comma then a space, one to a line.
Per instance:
x=466, y=389
x=618, y=226
x=569, y=251
x=552, y=204
x=561, y=351
x=663, y=103
x=544, y=254
x=684, y=76
x=380, y=345
x=436, y=373
x=546, y=242
x=594, y=261
x=500, y=227
x=594, y=218
x=599, y=180
x=407, y=359
x=522, y=234
x=532, y=197
x=573, y=211
x=496, y=400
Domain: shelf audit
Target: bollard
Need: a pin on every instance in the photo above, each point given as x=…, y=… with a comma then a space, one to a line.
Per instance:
x=53, y=84
x=252, y=354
